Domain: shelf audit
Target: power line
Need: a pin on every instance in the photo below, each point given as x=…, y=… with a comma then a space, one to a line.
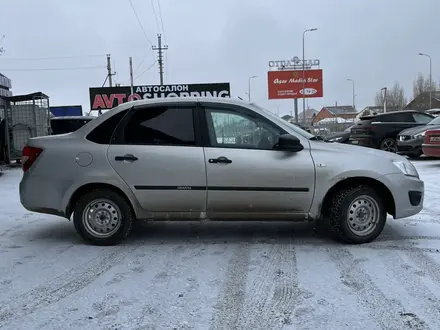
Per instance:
x=140, y=24
x=161, y=21
x=147, y=69
x=155, y=16
x=57, y=69
x=50, y=58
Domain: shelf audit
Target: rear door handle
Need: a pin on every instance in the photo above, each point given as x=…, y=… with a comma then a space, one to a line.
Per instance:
x=128, y=157
x=220, y=160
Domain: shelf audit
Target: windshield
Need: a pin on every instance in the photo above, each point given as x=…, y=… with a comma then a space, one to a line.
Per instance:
x=297, y=129
x=435, y=121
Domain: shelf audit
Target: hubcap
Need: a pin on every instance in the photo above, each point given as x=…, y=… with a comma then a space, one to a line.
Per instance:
x=389, y=146
x=101, y=218
x=363, y=215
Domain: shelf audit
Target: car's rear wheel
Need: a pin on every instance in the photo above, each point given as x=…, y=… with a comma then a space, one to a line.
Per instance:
x=103, y=217
x=389, y=145
x=357, y=215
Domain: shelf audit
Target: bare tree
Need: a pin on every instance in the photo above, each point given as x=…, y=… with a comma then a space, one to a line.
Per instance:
x=396, y=99
x=422, y=84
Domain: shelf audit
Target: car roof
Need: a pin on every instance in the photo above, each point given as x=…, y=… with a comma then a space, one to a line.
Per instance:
x=73, y=117
x=188, y=99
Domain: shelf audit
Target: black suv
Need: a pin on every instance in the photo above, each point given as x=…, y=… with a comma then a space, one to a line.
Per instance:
x=380, y=131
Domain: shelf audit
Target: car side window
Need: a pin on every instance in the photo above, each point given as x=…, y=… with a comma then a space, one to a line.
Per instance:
x=421, y=118
x=167, y=126
x=103, y=133
x=236, y=130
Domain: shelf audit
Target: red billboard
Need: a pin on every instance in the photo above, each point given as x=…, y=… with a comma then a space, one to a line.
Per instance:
x=289, y=84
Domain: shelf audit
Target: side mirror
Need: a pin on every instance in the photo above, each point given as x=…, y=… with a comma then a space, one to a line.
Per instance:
x=288, y=142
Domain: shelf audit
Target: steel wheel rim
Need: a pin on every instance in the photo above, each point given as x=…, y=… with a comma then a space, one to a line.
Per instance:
x=389, y=146
x=363, y=215
x=102, y=218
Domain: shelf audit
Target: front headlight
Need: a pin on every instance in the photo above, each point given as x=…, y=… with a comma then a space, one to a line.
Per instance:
x=419, y=135
x=406, y=167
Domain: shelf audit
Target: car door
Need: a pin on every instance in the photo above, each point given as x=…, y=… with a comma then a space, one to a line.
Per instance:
x=246, y=175
x=155, y=151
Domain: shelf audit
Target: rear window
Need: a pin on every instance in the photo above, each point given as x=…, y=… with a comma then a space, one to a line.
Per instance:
x=63, y=126
x=103, y=133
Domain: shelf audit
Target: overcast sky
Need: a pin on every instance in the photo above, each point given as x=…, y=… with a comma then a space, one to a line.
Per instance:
x=374, y=42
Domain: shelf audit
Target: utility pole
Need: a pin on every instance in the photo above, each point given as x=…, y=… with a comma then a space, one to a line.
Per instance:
x=2, y=50
x=130, y=63
x=109, y=71
x=304, y=72
x=430, y=78
x=160, y=50
x=249, y=86
x=353, y=93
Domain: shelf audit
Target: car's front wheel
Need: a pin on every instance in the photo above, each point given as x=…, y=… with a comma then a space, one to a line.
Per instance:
x=103, y=217
x=357, y=215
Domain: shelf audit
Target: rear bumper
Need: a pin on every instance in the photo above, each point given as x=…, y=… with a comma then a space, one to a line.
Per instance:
x=363, y=142
x=37, y=195
x=431, y=150
x=408, y=193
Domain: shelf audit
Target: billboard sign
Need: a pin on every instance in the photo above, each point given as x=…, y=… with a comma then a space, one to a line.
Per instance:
x=104, y=98
x=289, y=84
x=293, y=64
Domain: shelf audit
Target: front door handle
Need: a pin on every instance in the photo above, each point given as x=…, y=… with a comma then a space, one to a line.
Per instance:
x=128, y=157
x=220, y=160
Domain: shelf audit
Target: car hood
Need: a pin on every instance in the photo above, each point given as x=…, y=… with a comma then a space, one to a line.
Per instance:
x=356, y=151
x=418, y=129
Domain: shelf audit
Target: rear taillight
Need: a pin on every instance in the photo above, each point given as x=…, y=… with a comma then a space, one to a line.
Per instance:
x=30, y=155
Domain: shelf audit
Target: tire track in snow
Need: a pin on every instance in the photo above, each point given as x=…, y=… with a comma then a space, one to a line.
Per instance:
x=229, y=308
x=385, y=312
x=410, y=281
x=62, y=286
x=426, y=264
x=274, y=292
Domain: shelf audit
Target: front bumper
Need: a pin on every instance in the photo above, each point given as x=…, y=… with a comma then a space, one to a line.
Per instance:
x=409, y=147
x=408, y=193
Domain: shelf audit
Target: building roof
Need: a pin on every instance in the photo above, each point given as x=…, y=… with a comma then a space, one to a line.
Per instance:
x=341, y=109
x=309, y=113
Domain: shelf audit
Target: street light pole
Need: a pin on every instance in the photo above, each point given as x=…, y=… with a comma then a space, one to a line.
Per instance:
x=304, y=73
x=430, y=78
x=385, y=90
x=354, y=95
x=249, y=86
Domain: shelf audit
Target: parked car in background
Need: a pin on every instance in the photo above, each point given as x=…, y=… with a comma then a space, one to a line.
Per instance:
x=185, y=159
x=380, y=131
x=63, y=125
x=410, y=140
x=431, y=143
x=434, y=112
x=341, y=137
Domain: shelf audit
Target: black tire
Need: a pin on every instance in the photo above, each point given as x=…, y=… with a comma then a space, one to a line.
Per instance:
x=389, y=145
x=344, y=226
x=111, y=205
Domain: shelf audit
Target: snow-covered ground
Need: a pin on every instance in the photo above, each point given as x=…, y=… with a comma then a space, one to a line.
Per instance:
x=217, y=275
